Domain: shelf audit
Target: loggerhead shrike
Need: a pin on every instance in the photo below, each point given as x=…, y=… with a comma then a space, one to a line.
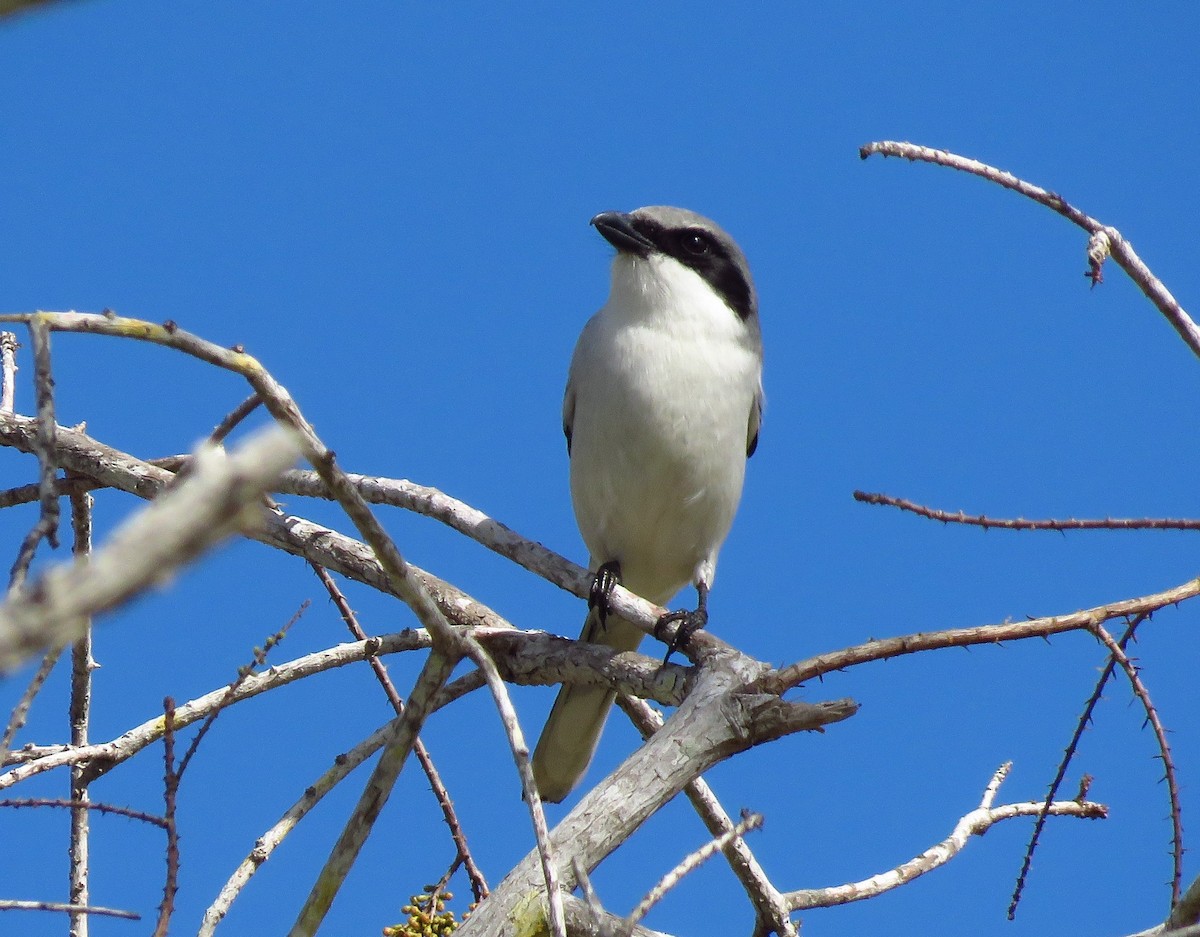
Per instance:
x=662, y=409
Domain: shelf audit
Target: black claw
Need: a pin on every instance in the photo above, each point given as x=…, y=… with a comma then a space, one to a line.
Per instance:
x=689, y=622
x=607, y=578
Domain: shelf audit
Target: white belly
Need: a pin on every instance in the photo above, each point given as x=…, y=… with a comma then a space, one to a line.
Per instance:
x=659, y=451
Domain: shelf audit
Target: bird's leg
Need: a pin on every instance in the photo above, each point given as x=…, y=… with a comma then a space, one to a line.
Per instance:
x=607, y=578
x=689, y=622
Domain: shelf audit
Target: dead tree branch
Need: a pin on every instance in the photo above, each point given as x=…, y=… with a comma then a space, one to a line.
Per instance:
x=1021, y=523
x=1103, y=239
x=202, y=511
x=975, y=823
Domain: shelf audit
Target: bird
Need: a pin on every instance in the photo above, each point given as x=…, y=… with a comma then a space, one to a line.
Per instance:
x=662, y=410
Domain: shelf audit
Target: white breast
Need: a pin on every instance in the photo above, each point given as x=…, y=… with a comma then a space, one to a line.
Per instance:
x=661, y=389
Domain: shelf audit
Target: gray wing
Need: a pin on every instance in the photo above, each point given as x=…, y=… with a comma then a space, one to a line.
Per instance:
x=568, y=415
x=756, y=411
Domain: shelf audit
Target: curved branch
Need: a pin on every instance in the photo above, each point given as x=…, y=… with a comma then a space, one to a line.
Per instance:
x=1117, y=653
x=975, y=823
x=1104, y=239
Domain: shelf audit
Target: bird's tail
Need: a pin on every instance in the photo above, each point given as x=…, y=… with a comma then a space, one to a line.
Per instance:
x=573, y=728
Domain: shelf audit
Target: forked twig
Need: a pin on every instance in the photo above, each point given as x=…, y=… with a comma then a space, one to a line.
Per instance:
x=479, y=887
x=1117, y=651
x=975, y=823
x=1084, y=719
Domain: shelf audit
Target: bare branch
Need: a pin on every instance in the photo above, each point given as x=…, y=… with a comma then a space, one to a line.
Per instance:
x=79, y=714
x=45, y=448
x=691, y=862
x=101, y=757
x=1121, y=250
x=286, y=412
x=520, y=751
x=232, y=419
x=260, y=657
x=783, y=679
x=170, y=798
x=719, y=718
x=975, y=823
x=1020, y=523
x=89, y=805
x=458, y=516
x=403, y=731
x=8, y=371
x=1170, y=774
x=529, y=647
x=270, y=840
x=148, y=547
x=479, y=887
x=7, y=904
x=768, y=903
x=1082, y=723
x=20, y=712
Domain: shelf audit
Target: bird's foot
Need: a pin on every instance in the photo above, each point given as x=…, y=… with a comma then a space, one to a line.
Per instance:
x=607, y=578
x=688, y=623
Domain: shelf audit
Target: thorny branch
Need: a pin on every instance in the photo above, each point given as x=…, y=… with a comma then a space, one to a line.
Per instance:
x=1103, y=239
x=1081, y=724
x=1117, y=651
x=1021, y=523
x=795, y=674
x=170, y=800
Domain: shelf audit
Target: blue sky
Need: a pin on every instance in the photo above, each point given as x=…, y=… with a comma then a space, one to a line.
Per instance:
x=388, y=205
